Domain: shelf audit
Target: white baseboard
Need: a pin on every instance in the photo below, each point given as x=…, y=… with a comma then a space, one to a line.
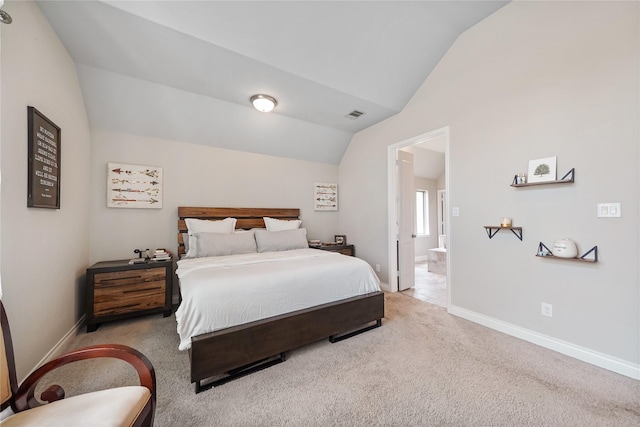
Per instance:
x=593, y=357
x=385, y=287
x=61, y=344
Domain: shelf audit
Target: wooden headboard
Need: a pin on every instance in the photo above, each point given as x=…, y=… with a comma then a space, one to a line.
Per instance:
x=247, y=217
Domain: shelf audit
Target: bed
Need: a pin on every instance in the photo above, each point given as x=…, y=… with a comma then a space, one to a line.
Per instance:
x=305, y=295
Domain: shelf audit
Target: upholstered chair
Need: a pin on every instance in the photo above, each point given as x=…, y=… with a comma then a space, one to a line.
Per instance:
x=121, y=406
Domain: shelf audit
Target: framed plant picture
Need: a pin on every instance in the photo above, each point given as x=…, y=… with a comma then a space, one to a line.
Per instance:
x=325, y=196
x=134, y=186
x=542, y=170
x=43, y=183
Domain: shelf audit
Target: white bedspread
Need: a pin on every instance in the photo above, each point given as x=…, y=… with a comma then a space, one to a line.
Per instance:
x=219, y=292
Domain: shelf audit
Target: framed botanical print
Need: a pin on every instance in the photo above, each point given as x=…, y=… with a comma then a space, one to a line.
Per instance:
x=542, y=170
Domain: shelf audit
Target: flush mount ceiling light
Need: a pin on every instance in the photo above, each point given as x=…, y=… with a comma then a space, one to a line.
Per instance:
x=264, y=103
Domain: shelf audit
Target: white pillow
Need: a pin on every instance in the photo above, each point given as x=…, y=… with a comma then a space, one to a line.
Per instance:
x=274, y=224
x=194, y=226
x=285, y=240
x=217, y=244
x=185, y=241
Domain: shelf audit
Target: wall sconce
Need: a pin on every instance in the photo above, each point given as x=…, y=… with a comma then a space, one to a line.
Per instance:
x=264, y=103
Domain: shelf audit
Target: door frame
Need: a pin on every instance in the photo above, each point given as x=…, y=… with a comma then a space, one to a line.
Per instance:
x=392, y=182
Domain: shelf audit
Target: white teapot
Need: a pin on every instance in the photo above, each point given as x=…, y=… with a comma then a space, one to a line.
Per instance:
x=564, y=248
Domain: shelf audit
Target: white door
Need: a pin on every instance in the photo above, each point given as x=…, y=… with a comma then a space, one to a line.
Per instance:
x=406, y=221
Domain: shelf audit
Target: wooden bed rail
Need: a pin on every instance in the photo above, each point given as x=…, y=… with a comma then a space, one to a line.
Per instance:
x=224, y=351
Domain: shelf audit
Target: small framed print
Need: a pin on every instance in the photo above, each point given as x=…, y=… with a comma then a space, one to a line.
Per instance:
x=325, y=196
x=542, y=170
x=340, y=239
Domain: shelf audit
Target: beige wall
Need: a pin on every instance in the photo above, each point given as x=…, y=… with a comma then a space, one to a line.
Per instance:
x=44, y=251
x=196, y=175
x=535, y=79
x=441, y=183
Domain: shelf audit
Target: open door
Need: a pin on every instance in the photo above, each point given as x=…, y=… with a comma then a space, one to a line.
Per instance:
x=406, y=221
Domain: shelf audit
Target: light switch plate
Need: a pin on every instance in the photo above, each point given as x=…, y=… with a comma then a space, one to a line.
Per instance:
x=455, y=211
x=609, y=210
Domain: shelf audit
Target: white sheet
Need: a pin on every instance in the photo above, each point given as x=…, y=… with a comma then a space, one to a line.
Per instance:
x=219, y=292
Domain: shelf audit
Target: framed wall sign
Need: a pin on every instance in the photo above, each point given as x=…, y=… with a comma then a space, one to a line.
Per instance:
x=43, y=183
x=325, y=196
x=134, y=186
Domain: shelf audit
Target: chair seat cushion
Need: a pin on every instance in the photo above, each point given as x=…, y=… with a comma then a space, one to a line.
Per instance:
x=113, y=407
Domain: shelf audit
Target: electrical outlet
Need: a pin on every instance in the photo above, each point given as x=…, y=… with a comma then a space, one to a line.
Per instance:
x=378, y=268
x=547, y=309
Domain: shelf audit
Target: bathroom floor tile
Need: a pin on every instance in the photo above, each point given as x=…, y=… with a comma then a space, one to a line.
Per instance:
x=430, y=287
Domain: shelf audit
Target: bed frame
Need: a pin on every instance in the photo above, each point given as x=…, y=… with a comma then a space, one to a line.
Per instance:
x=224, y=355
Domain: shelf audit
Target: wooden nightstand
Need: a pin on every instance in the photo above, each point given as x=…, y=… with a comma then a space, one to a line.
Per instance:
x=118, y=290
x=343, y=249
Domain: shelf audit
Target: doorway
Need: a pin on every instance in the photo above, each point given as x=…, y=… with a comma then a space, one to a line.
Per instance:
x=435, y=241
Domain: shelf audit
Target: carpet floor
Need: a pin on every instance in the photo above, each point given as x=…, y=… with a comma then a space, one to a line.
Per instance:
x=423, y=367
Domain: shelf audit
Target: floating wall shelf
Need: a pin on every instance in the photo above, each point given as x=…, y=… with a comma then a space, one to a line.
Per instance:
x=566, y=179
x=594, y=250
x=493, y=229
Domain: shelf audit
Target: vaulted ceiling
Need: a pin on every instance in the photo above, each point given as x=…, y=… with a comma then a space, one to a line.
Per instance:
x=185, y=70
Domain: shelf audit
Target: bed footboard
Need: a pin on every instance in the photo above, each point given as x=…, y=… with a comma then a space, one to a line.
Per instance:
x=243, y=348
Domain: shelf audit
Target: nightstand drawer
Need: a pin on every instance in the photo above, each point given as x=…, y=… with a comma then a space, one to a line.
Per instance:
x=125, y=298
x=348, y=250
x=127, y=277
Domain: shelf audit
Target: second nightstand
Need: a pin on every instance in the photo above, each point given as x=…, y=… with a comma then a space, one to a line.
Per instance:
x=343, y=249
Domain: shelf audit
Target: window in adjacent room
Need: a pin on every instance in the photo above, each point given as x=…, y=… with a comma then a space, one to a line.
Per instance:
x=422, y=212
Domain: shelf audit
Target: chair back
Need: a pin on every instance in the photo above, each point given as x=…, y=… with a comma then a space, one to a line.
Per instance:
x=8, y=380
